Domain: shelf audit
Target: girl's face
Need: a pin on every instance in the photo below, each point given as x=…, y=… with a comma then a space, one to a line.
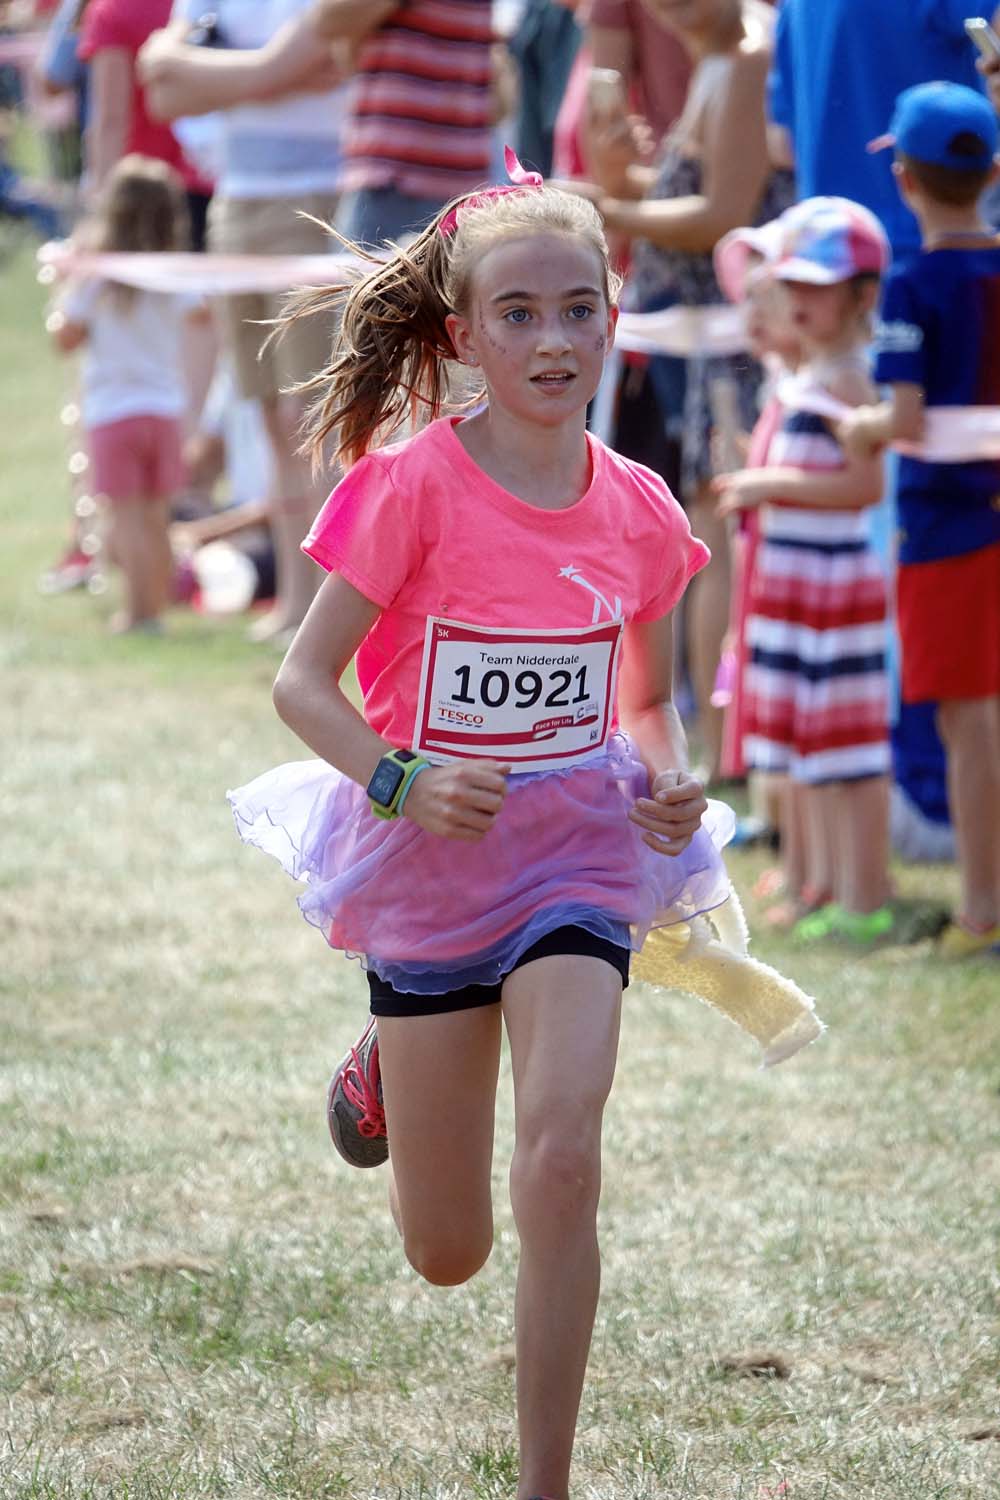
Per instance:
x=822, y=315
x=538, y=326
x=770, y=329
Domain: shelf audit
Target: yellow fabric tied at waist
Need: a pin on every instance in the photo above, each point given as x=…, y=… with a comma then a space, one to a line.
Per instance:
x=709, y=959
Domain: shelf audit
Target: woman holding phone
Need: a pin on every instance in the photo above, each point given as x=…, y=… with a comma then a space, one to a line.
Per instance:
x=712, y=174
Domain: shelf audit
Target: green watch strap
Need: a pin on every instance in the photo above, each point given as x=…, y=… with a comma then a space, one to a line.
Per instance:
x=410, y=765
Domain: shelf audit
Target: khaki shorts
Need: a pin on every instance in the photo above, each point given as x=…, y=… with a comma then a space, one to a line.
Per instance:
x=271, y=226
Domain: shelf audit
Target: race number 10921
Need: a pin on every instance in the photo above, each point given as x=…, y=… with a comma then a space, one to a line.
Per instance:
x=494, y=687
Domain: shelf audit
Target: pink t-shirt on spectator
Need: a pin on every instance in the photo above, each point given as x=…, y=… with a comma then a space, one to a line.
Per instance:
x=421, y=530
x=126, y=24
x=661, y=69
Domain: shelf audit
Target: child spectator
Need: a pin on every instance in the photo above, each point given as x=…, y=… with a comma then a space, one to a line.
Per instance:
x=936, y=347
x=743, y=260
x=817, y=685
x=132, y=381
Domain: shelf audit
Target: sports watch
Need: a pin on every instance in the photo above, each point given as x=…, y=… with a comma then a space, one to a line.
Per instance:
x=391, y=782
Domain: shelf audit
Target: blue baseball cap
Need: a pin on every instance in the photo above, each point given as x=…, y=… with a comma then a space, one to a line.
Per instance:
x=930, y=117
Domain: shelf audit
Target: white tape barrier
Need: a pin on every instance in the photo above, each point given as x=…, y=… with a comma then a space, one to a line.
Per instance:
x=680, y=331
x=21, y=49
x=200, y=275
x=683, y=331
x=952, y=434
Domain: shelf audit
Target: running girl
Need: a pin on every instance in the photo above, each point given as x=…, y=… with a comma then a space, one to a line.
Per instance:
x=513, y=811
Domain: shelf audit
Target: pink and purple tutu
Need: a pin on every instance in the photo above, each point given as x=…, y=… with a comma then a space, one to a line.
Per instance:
x=430, y=914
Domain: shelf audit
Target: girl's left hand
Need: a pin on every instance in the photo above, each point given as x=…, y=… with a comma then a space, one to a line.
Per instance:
x=672, y=814
x=741, y=491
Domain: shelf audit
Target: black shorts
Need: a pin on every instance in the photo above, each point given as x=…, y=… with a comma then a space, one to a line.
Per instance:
x=387, y=1001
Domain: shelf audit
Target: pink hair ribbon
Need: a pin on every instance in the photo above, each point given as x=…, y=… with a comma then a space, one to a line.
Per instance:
x=520, y=178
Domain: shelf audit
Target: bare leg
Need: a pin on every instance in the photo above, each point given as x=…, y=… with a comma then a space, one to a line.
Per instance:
x=970, y=729
x=441, y=1137
x=861, y=810
x=818, y=808
x=297, y=499
x=159, y=554
x=141, y=548
x=707, y=620
x=562, y=1016
x=791, y=822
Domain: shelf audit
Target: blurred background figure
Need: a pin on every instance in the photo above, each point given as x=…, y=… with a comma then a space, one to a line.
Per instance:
x=712, y=174
x=839, y=66
x=132, y=380
x=277, y=149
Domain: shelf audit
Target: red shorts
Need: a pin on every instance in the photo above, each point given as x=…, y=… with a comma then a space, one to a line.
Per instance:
x=949, y=626
x=136, y=458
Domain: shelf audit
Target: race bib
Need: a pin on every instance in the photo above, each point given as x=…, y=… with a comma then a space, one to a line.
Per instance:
x=534, y=698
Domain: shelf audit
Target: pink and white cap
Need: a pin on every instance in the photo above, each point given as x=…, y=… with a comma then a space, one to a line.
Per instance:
x=827, y=240
x=732, y=254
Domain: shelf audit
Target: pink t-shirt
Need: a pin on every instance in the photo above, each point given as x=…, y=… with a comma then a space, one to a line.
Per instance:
x=421, y=530
x=125, y=25
x=661, y=68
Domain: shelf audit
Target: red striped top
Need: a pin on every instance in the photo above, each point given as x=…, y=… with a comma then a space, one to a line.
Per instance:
x=419, y=117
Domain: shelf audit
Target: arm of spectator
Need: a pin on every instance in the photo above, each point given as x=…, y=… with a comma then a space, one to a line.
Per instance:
x=59, y=69
x=180, y=79
x=611, y=47
x=615, y=155
x=854, y=487
x=351, y=19
x=734, y=169
x=189, y=535
x=110, y=114
x=990, y=69
x=65, y=332
x=870, y=429
x=780, y=147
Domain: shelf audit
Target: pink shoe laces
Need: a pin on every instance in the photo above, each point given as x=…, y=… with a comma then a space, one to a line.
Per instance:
x=360, y=1088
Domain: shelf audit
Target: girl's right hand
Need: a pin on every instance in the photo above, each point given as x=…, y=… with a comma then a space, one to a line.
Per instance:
x=459, y=801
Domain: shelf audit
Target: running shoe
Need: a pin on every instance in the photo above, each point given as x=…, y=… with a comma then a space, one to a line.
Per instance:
x=354, y=1110
x=74, y=570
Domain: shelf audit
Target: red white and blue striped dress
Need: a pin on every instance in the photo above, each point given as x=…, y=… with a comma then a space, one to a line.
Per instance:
x=816, y=683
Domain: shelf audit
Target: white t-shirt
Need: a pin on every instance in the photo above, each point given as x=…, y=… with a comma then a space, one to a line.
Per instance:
x=132, y=365
x=274, y=150
x=237, y=420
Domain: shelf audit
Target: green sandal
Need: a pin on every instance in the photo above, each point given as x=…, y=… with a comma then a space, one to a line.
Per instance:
x=835, y=921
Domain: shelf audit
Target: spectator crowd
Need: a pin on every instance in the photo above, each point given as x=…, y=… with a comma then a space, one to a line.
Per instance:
x=841, y=652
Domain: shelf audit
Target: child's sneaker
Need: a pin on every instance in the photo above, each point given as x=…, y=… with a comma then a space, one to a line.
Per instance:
x=74, y=570
x=959, y=941
x=354, y=1110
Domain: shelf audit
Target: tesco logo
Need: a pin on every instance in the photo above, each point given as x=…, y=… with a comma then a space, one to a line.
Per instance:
x=455, y=716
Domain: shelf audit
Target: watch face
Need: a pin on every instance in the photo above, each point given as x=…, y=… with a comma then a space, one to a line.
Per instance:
x=385, y=783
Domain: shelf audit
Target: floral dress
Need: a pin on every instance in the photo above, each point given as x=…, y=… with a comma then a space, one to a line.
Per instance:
x=664, y=277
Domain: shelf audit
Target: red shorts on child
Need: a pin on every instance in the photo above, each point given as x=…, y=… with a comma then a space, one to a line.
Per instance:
x=136, y=458
x=949, y=626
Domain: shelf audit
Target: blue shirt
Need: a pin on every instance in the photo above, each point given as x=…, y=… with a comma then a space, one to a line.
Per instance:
x=838, y=67
x=939, y=328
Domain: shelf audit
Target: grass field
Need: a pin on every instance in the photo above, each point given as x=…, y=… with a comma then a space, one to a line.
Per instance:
x=197, y=1299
